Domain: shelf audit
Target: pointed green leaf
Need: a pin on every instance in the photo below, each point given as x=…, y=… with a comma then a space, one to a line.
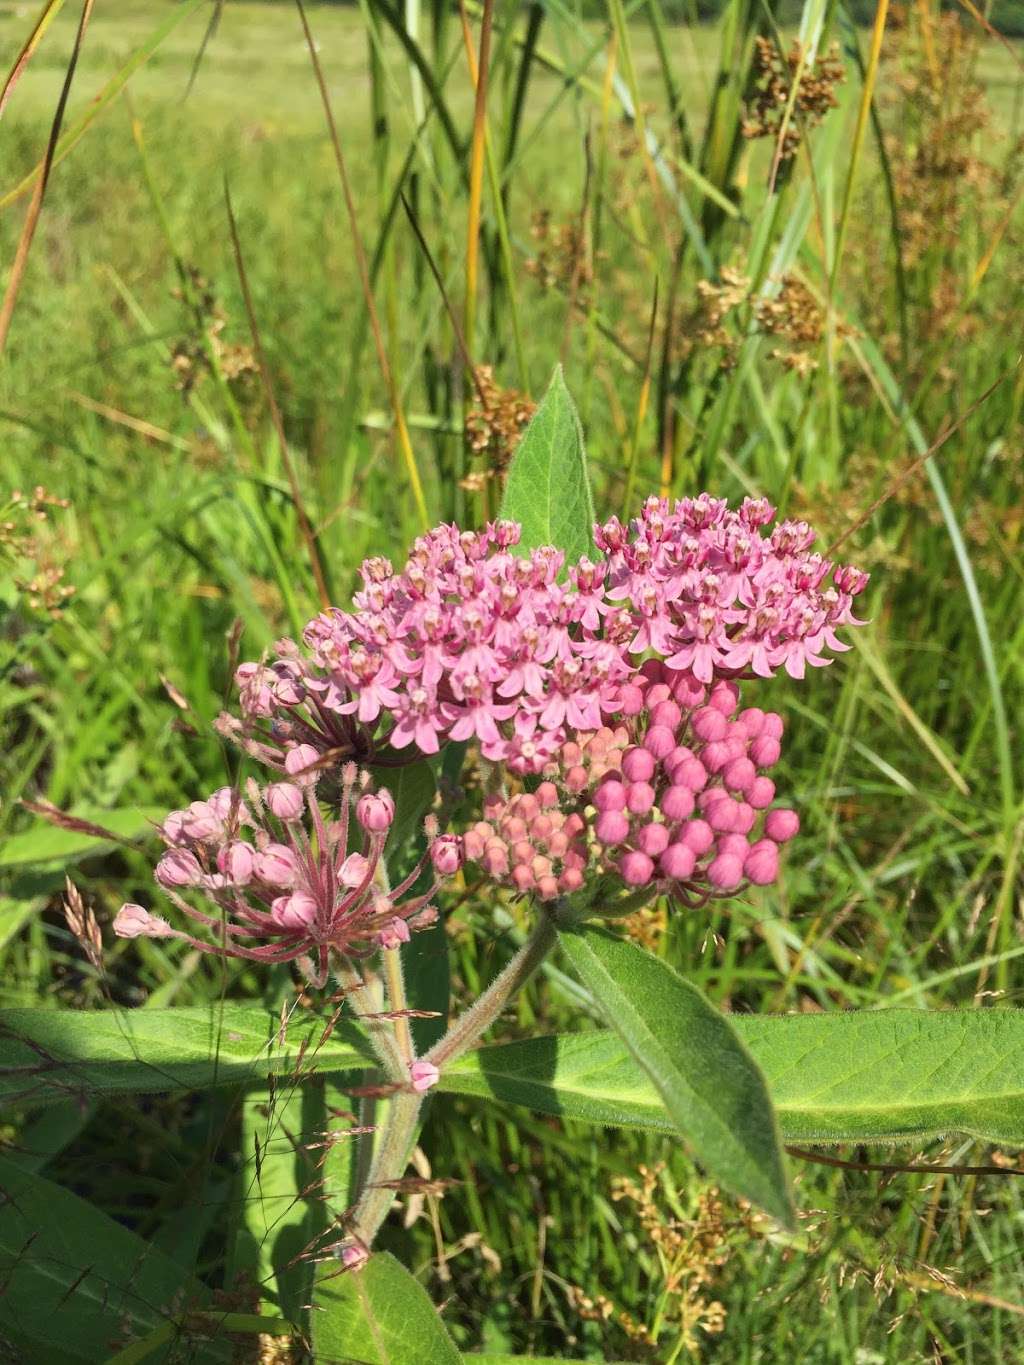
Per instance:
x=64, y=1054
x=548, y=491
x=708, y=1081
x=380, y=1315
x=865, y=1076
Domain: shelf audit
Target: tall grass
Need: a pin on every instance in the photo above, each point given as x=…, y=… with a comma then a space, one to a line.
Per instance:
x=578, y=187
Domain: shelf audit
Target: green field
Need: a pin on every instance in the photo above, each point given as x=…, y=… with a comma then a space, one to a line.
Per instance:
x=127, y=388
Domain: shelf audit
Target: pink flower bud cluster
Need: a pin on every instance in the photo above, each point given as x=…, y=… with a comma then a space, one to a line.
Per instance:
x=529, y=841
x=677, y=798
x=284, y=882
x=689, y=809
x=469, y=641
x=709, y=592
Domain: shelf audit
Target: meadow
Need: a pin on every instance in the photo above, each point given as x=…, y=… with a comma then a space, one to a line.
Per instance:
x=826, y=314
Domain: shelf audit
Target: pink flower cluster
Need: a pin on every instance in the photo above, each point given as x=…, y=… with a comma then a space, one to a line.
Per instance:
x=678, y=798
x=283, y=880
x=469, y=641
x=708, y=592
x=473, y=641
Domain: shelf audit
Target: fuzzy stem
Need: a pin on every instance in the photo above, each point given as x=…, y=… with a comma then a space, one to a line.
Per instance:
x=395, y=979
x=469, y=1027
x=367, y=1010
x=389, y=1164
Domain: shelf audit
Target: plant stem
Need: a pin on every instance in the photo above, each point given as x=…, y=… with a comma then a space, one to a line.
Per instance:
x=469, y=1027
x=389, y=1165
x=366, y=1009
x=397, y=1002
x=392, y=1155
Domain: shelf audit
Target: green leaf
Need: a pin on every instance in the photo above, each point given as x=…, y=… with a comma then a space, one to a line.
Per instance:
x=281, y=1211
x=45, y=843
x=871, y=1076
x=75, y=1281
x=548, y=491
x=708, y=1081
x=65, y=1054
x=380, y=1315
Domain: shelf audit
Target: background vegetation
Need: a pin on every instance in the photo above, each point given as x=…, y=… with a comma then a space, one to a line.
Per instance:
x=806, y=326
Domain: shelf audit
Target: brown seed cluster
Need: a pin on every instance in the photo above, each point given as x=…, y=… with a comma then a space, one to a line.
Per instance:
x=796, y=317
x=774, y=75
x=205, y=346
x=496, y=423
x=562, y=259
x=22, y=543
x=715, y=304
x=686, y=1250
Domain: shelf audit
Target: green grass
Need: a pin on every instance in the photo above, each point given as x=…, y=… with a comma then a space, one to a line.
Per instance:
x=905, y=886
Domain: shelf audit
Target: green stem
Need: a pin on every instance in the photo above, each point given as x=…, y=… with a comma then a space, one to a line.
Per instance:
x=397, y=1003
x=389, y=1165
x=469, y=1027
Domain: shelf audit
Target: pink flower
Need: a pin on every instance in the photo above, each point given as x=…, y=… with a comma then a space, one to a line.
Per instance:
x=424, y=1075
x=289, y=891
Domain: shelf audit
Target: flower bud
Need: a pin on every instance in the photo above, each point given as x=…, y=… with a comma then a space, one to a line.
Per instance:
x=394, y=934
x=725, y=697
x=178, y=867
x=133, y=921
x=639, y=797
x=296, y=911
x=631, y=700
x=676, y=803
x=611, y=827
x=739, y=775
x=284, y=799
x=761, y=865
x=547, y=888
x=690, y=773
x=653, y=839
x=677, y=862
x=726, y=872
x=709, y=724
x=610, y=796
x=238, y=862
x=375, y=811
x=697, y=835
x=636, y=868
x=276, y=865
x=424, y=1075
x=638, y=765
x=354, y=871
x=761, y=793
x=765, y=751
x=659, y=741
x=781, y=825
x=299, y=763
x=446, y=855
x=667, y=713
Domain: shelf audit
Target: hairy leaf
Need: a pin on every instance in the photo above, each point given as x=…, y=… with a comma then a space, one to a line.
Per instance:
x=548, y=491
x=877, y=1075
x=708, y=1081
x=380, y=1315
x=50, y=1054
